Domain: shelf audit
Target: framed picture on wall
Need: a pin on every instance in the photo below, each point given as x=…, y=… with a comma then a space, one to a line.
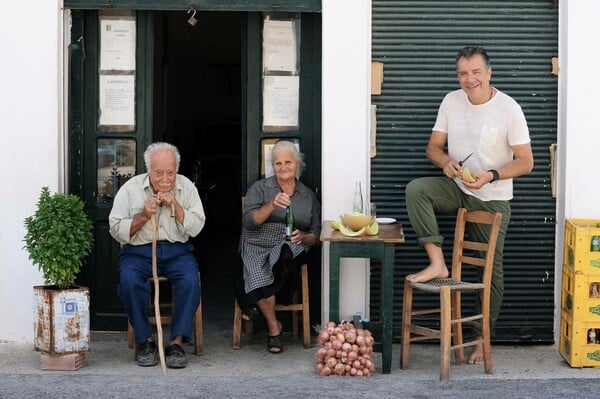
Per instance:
x=266, y=145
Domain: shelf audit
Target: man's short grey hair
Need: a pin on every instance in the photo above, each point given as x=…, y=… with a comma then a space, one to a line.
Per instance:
x=286, y=145
x=158, y=146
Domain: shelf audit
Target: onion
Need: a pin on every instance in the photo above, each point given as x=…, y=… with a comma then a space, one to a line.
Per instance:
x=352, y=355
x=337, y=344
x=339, y=369
x=359, y=373
x=356, y=364
x=360, y=340
x=338, y=354
x=323, y=337
x=350, y=336
x=329, y=330
x=346, y=347
x=341, y=337
x=331, y=352
x=325, y=371
x=331, y=362
x=352, y=371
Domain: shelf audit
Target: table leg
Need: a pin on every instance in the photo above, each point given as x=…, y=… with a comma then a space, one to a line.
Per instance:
x=334, y=282
x=388, y=306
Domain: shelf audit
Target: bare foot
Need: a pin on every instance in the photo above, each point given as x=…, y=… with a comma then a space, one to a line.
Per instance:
x=477, y=355
x=429, y=273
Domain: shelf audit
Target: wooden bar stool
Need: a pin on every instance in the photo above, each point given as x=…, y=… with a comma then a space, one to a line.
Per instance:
x=167, y=318
x=296, y=307
x=449, y=291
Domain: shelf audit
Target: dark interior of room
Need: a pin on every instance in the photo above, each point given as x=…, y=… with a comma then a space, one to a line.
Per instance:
x=198, y=108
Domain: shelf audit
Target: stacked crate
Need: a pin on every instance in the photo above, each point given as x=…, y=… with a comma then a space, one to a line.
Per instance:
x=580, y=321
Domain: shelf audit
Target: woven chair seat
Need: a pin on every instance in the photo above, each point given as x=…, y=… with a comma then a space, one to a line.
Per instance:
x=435, y=285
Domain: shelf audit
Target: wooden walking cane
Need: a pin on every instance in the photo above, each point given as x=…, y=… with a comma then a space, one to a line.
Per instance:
x=161, y=351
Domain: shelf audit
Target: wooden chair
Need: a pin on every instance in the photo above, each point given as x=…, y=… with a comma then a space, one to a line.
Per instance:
x=295, y=307
x=449, y=291
x=167, y=318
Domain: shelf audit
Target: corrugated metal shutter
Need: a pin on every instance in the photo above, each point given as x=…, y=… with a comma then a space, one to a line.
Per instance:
x=417, y=42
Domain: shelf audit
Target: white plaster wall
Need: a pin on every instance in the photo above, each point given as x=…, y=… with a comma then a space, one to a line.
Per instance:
x=30, y=72
x=578, y=189
x=346, y=87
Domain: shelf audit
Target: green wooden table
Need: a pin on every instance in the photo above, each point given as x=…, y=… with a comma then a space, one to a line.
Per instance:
x=379, y=247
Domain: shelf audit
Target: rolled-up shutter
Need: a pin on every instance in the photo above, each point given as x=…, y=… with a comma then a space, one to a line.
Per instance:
x=417, y=42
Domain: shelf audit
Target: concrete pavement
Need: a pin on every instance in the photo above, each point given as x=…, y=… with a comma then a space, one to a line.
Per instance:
x=110, y=372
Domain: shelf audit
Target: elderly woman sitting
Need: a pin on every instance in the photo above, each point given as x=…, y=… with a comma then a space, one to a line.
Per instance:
x=270, y=263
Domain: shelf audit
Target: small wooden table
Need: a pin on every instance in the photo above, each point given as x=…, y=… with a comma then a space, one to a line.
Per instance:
x=379, y=247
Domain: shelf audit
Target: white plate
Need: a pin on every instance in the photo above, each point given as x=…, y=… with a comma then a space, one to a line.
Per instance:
x=385, y=220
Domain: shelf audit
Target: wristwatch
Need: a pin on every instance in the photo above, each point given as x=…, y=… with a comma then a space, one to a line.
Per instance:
x=495, y=175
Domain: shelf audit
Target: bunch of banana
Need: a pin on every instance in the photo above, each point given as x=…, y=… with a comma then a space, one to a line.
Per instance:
x=370, y=230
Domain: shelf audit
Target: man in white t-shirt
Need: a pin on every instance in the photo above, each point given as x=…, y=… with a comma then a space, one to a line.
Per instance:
x=486, y=127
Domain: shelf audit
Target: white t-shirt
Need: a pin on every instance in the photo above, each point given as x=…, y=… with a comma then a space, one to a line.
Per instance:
x=488, y=131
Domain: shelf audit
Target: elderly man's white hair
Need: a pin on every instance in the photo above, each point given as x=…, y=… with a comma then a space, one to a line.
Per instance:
x=158, y=146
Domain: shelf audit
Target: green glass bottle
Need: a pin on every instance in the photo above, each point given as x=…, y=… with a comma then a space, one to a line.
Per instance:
x=289, y=222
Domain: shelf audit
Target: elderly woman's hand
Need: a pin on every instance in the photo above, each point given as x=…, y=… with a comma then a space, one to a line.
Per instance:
x=281, y=200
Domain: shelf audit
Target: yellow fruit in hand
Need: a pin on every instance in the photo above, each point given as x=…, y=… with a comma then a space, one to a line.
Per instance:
x=373, y=229
x=467, y=176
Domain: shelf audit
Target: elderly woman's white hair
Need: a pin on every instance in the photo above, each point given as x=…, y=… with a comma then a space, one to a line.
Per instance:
x=158, y=146
x=285, y=145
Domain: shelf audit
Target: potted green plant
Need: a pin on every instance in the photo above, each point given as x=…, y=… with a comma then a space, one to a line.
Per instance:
x=58, y=238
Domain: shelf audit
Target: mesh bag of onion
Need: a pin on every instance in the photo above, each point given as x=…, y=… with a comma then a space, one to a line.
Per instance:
x=344, y=350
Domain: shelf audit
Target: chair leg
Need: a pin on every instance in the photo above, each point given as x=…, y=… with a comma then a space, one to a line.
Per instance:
x=295, y=318
x=445, y=329
x=237, y=325
x=487, y=349
x=305, y=308
x=130, y=339
x=457, y=331
x=198, y=331
x=406, y=321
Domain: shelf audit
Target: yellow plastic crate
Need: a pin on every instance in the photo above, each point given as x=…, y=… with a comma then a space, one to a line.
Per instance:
x=580, y=296
x=578, y=240
x=574, y=345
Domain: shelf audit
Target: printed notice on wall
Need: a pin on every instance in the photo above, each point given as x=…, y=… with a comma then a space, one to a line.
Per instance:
x=279, y=46
x=117, y=100
x=117, y=45
x=281, y=100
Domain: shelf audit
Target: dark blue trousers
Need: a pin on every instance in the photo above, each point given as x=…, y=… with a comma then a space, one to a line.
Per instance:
x=177, y=262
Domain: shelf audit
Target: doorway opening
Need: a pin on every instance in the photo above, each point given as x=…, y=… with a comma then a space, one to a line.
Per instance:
x=197, y=107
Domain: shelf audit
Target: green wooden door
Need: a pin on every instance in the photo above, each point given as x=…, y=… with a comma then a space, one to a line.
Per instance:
x=106, y=149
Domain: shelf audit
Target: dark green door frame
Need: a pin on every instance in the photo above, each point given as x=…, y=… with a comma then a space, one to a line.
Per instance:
x=200, y=5
x=100, y=272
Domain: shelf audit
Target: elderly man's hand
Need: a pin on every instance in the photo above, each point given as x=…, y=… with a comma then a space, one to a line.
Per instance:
x=151, y=206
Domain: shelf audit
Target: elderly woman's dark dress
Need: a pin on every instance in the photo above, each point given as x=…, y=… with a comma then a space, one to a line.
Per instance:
x=269, y=262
